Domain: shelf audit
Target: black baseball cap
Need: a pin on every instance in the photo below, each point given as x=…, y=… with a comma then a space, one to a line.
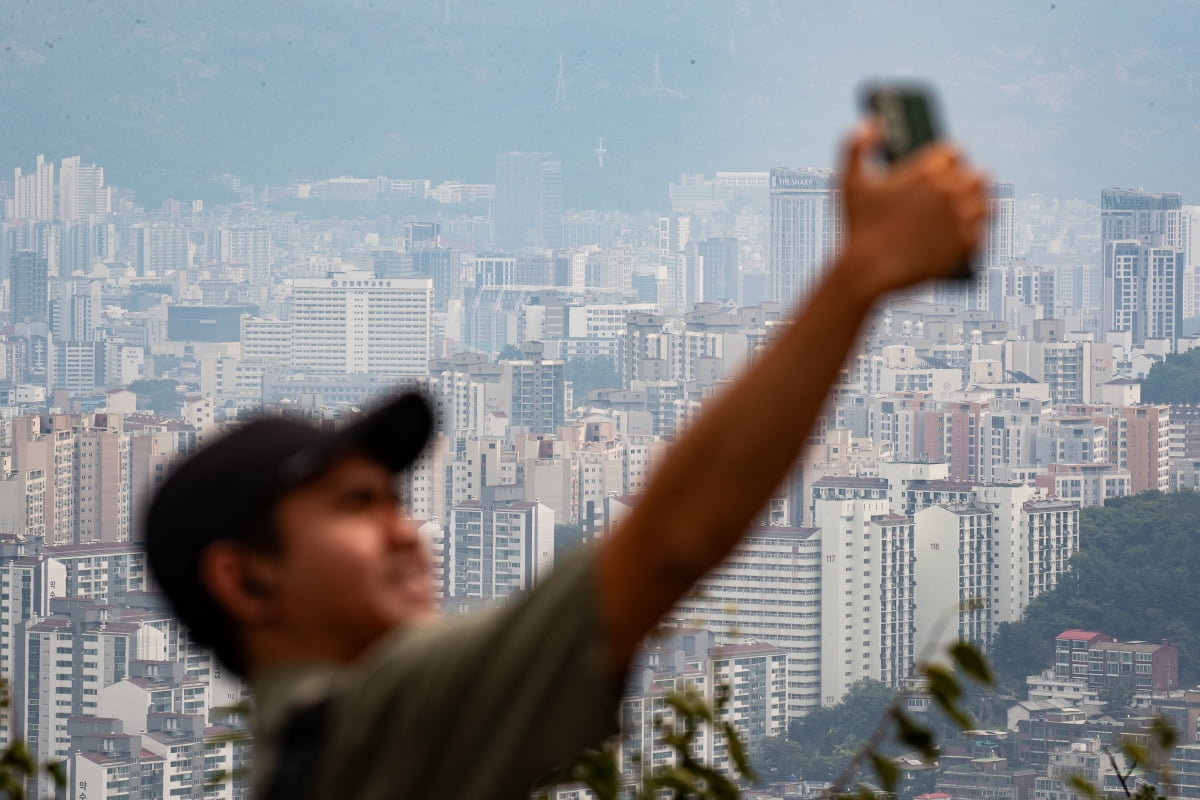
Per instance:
x=229, y=486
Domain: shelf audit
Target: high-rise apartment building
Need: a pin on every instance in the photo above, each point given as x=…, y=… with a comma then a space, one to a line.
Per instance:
x=33, y=195
x=249, y=248
x=75, y=310
x=1144, y=288
x=84, y=243
x=1145, y=439
x=675, y=291
x=528, y=205
x=1143, y=239
x=356, y=323
x=805, y=229
x=81, y=191
x=539, y=391
x=497, y=545
x=160, y=249
x=29, y=288
x=769, y=589
x=867, y=585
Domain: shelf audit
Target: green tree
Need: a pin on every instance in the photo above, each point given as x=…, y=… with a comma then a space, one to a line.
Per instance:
x=775, y=759
x=157, y=395
x=1118, y=696
x=589, y=374
x=1176, y=379
x=829, y=737
x=567, y=538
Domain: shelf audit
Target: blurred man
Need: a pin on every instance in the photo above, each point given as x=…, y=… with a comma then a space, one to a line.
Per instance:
x=287, y=550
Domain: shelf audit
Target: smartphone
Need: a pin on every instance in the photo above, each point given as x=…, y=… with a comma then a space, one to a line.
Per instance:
x=908, y=121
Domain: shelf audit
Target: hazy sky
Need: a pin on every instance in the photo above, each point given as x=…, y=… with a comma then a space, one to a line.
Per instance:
x=1061, y=97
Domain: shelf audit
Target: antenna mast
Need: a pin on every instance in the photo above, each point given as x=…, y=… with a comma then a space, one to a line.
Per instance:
x=560, y=91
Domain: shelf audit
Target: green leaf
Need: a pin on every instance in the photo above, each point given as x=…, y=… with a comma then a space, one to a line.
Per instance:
x=886, y=769
x=945, y=690
x=942, y=684
x=915, y=736
x=1164, y=734
x=216, y=778
x=737, y=751
x=58, y=773
x=1138, y=756
x=971, y=661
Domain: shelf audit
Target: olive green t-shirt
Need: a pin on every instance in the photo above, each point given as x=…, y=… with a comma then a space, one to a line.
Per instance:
x=479, y=707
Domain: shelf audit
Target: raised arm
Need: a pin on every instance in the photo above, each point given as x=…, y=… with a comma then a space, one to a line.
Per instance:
x=913, y=223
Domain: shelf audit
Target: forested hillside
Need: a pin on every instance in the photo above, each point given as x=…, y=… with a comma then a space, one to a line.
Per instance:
x=1136, y=576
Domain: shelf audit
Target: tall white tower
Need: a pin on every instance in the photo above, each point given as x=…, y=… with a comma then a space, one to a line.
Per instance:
x=81, y=191
x=805, y=228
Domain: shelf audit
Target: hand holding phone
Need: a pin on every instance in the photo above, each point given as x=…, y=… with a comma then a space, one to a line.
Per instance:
x=908, y=121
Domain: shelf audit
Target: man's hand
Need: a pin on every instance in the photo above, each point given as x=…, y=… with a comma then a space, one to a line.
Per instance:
x=918, y=220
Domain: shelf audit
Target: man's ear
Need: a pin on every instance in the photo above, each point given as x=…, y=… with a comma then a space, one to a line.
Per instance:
x=239, y=580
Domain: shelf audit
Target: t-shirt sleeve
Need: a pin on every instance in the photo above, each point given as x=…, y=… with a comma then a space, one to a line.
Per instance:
x=480, y=708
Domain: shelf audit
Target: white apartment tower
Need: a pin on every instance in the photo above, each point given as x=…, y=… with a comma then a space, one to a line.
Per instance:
x=805, y=228
x=674, y=234
x=1144, y=287
x=867, y=584
x=769, y=590
x=953, y=575
x=498, y=545
x=355, y=323
x=81, y=191
x=33, y=195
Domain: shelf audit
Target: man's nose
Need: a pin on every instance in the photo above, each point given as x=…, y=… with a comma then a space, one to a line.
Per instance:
x=403, y=530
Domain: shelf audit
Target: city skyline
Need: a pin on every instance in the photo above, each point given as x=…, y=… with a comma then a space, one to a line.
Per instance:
x=572, y=225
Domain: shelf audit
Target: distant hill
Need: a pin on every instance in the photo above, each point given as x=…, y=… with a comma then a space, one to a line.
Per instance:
x=1062, y=98
x=1134, y=577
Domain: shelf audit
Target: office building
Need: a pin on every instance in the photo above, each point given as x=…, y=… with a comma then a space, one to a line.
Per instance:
x=1142, y=437
x=528, y=204
x=719, y=269
x=355, y=323
x=805, y=229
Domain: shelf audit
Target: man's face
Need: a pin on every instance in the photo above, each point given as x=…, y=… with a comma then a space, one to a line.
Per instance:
x=352, y=566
